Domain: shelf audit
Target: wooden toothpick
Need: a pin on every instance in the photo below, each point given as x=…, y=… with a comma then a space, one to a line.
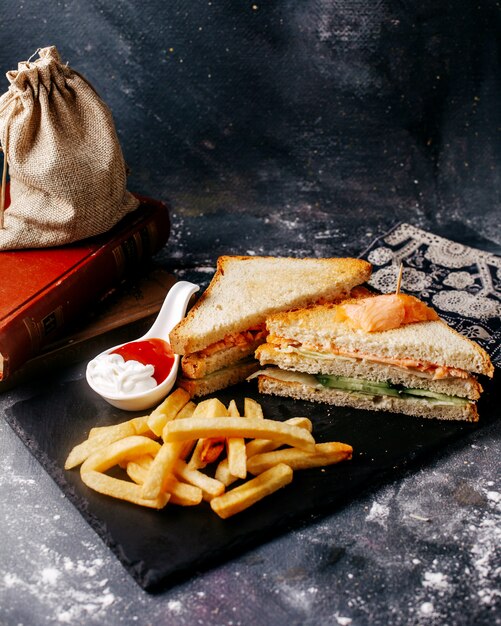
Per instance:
x=399, y=279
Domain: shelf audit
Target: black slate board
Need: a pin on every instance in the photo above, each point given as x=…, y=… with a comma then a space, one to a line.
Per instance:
x=161, y=548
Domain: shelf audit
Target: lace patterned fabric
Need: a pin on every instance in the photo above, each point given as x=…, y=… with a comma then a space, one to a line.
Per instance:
x=461, y=283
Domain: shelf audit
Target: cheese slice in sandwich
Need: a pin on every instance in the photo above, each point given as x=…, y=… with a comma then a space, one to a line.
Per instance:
x=374, y=353
x=221, y=332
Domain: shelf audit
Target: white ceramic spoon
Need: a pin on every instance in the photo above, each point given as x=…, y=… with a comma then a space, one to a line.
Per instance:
x=173, y=310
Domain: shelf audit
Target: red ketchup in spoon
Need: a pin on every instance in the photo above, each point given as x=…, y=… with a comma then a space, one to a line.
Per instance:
x=156, y=352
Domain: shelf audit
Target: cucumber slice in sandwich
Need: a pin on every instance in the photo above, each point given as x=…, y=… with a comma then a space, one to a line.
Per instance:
x=355, y=384
x=385, y=389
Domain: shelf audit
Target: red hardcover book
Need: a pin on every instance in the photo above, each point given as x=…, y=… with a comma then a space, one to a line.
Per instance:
x=43, y=290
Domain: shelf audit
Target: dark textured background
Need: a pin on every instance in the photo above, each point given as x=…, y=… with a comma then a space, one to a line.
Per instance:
x=284, y=127
x=291, y=110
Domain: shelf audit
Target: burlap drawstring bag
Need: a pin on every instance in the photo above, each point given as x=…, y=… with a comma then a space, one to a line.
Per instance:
x=66, y=168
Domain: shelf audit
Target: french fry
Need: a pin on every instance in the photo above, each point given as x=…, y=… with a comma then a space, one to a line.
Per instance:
x=181, y=493
x=202, y=452
x=144, y=461
x=163, y=463
x=324, y=454
x=186, y=411
x=210, y=486
x=96, y=430
x=128, y=447
x=121, y=489
x=210, y=408
x=223, y=473
x=98, y=441
x=161, y=466
x=253, y=409
x=139, y=424
x=258, y=446
x=235, y=449
x=168, y=410
x=136, y=472
x=237, y=457
x=195, y=461
x=101, y=436
x=302, y=422
x=196, y=428
x=93, y=467
x=252, y=491
x=159, y=471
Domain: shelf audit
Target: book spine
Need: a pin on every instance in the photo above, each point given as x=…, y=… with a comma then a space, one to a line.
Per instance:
x=46, y=317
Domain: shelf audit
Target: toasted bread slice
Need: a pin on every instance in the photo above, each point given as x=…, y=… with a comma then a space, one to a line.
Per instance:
x=245, y=290
x=301, y=389
x=432, y=342
x=219, y=379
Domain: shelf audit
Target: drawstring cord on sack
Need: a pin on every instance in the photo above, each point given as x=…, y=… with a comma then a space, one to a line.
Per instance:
x=5, y=149
x=33, y=55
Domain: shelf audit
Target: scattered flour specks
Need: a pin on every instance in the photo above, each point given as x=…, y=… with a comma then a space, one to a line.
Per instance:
x=11, y=580
x=494, y=496
x=435, y=580
x=427, y=608
x=19, y=481
x=50, y=575
x=86, y=607
x=296, y=597
x=72, y=591
x=326, y=234
x=485, y=552
x=175, y=606
x=378, y=513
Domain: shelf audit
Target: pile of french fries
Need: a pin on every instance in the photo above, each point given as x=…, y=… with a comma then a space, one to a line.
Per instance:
x=169, y=456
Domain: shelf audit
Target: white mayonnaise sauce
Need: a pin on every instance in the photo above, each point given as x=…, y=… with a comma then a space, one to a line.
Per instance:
x=110, y=374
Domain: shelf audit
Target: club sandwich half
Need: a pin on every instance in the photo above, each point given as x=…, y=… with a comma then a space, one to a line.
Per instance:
x=220, y=334
x=388, y=352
